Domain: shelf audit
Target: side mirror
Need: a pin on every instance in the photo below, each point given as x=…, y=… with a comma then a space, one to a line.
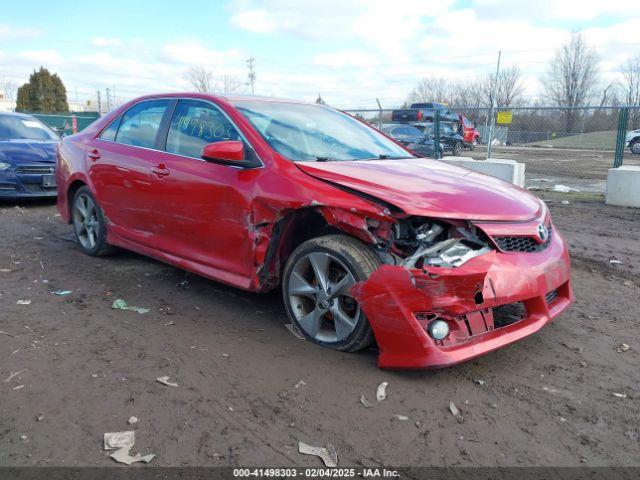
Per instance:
x=229, y=151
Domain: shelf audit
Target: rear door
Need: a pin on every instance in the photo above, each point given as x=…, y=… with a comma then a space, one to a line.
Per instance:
x=119, y=166
x=201, y=209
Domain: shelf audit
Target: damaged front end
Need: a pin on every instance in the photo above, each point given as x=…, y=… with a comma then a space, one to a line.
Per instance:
x=453, y=276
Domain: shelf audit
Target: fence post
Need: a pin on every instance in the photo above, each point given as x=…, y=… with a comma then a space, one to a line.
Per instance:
x=379, y=115
x=623, y=118
x=436, y=133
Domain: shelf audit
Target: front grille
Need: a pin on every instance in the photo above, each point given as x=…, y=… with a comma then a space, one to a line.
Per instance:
x=508, y=314
x=522, y=244
x=35, y=169
x=551, y=296
x=37, y=188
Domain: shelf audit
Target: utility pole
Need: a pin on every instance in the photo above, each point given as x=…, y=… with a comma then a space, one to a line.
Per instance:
x=108, y=100
x=99, y=104
x=493, y=101
x=252, y=74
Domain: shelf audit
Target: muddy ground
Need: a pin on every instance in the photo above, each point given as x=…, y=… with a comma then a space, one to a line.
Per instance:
x=582, y=169
x=249, y=391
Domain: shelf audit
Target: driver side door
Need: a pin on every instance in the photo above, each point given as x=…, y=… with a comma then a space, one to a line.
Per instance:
x=202, y=210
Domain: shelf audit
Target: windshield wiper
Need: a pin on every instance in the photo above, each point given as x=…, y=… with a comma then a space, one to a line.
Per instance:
x=323, y=159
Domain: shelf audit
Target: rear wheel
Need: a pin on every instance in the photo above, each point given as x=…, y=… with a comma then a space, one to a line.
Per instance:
x=635, y=147
x=457, y=148
x=89, y=225
x=316, y=287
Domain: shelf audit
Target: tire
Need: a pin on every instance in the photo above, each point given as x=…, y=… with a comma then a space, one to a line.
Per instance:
x=313, y=309
x=472, y=145
x=635, y=147
x=90, y=229
x=457, y=148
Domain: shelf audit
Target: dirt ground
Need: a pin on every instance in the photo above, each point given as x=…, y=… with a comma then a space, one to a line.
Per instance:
x=584, y=170
x=249, y=390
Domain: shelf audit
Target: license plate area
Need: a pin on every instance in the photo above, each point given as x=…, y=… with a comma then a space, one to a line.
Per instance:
x=48, y=181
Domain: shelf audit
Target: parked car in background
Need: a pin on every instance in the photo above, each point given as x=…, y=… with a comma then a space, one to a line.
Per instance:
x=451, y=141
x=424, y=112
x=633, y=141
x=470, y=135
x=27, y=157
x=412, y=138
x=436, y=263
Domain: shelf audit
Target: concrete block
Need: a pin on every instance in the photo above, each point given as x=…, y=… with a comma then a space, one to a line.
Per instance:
x=623, y=186
x=502, y=168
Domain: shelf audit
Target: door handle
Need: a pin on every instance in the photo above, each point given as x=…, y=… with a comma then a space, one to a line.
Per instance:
x=160, y=170
x=94, y=154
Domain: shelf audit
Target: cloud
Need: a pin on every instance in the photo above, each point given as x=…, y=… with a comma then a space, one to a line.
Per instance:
x=107, y=42
x=196, y=53
x=9, y=32
x=544, y=10
x=346, y=58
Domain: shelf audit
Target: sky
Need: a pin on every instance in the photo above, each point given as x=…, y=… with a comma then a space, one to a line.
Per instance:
x=349, y=51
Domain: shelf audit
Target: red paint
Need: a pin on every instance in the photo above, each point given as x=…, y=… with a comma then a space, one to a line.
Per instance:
x=232, y=151
x=469, y=132
x=231, y=224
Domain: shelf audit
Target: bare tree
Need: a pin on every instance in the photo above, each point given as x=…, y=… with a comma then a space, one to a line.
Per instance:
x=572, y=78
x=631, y=86
x=509, y=88
x=431, y=89
x=231, y=84
x=200, y=79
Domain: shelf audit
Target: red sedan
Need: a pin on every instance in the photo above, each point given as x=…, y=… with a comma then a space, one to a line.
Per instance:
x=435, y=264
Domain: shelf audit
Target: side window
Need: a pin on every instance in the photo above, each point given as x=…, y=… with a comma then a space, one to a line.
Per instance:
x=141, y=122
x=109, y=133
x=195, y=124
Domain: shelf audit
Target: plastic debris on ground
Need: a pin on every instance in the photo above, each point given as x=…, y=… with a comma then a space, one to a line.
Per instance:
x=294, y=331
x=619, y=395
x=402, y=418
x=480, y=382
x=614, y=261
x=365, y=403
x=623, y=347
x=299, y=384
x=565, y=202
x=455, y=412
x=564, y=189
x=132, y=420
x=122, y=442
x=62, y=293
x=120, y=304
x=23, y=302
x=165, y=381
x=15, y=374
x=328, y=454
x=381, y=392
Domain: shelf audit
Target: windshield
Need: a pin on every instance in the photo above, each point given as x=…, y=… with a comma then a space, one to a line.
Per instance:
x=14, y=127
x=445, y=129
x=315, y=132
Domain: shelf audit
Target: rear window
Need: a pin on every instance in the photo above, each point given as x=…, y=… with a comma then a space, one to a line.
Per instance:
x=140, y=124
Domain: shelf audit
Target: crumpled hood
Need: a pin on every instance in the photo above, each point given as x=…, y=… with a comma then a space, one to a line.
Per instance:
x=431, y=188
x=27, y=151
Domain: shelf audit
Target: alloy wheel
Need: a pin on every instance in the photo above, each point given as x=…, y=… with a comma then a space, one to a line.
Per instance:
x=318, y=292
x=85, y=221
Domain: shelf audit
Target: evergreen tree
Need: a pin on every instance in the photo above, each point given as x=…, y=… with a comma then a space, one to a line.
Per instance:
x=43, y=93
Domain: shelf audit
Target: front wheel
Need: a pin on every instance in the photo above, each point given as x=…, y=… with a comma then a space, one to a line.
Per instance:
x=457, y=148
x=472, y=145
x=316, y=287
x=88, y=224
x=635, y=147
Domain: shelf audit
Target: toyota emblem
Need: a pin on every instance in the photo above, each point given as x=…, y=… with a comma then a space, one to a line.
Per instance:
x=543, y=232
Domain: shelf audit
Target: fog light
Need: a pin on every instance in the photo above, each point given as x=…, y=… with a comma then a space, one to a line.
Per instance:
x=438, y=329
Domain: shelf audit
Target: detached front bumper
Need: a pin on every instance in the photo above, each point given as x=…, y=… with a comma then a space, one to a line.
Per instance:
x=28, y=181
x=489, y=302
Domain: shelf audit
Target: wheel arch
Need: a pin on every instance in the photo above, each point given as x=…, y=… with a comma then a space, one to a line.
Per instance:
x=74, y=186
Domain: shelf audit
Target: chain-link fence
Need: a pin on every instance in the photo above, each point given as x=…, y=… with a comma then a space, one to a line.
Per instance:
x=574, y=146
